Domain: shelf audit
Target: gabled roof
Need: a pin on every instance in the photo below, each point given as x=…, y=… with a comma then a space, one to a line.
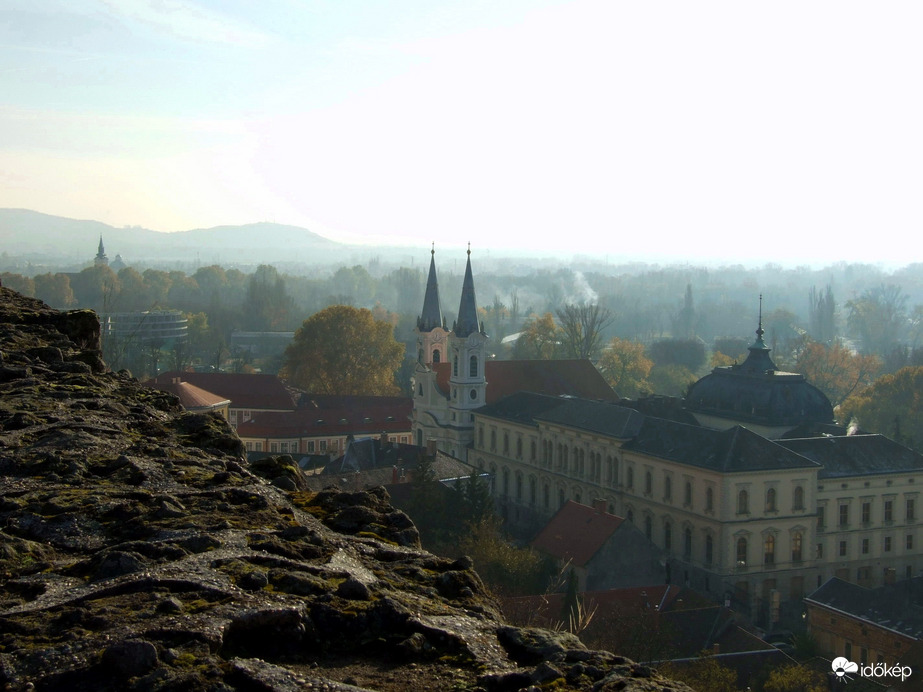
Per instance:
x=857, y=455
x=192, y=397
x=578, y=378
x=733, y=450
x=264, y=392
x=363, y=417
x=894, y=606
x=576, y=533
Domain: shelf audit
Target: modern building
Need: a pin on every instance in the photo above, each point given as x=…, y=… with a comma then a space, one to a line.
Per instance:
x=748, y=486
x=453, y=376
x=156, y=327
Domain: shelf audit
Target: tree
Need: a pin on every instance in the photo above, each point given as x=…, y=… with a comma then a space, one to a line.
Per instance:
x=835, y=370
x=684, y=322
x=705, y=673
x=625, y=367
x=54, y=289
x=821, y=311
x=877, y=317
x=343, y=350
x=267, y=306
x=540, y=339
x=891, y=406
x=670, y=380
x=795, y=678
x=581, y=328
x=689, y=353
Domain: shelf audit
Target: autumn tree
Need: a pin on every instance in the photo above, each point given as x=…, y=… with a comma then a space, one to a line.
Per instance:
x=835, y=370
x=267, y=305
x=540, y=339
x=891, y=406
x=54, y=289
x=344, y=350
x=670, y=380
x=688, y=353
x=704, y=673
x=581, y=328
x=625, y=367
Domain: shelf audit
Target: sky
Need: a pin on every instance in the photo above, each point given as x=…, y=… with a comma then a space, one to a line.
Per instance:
x=700, y=131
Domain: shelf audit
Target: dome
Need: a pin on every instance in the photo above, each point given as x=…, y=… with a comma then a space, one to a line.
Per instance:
x=756, y=391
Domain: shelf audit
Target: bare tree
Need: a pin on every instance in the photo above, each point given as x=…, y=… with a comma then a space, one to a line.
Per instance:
x=581, y=327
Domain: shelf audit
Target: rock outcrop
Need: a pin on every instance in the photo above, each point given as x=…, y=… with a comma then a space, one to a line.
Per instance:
x=139, y=551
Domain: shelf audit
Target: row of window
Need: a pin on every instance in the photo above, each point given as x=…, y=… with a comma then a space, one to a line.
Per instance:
x=887, y=514
x=865, y=545
x=310, y=446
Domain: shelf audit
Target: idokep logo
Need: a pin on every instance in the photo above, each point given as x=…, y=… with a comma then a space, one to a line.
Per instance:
x=844, y=668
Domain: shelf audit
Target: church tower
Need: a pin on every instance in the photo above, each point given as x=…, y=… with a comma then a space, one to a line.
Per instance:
x=431, y=331
x=468, y=351
x=101, y=260
x=449, y=379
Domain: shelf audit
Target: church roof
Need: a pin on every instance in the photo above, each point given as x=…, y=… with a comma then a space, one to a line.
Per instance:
x=755, y=391
x=733, y=450
x=856, y=455
x=575, y=377
x=467, y=322
x=431, y=318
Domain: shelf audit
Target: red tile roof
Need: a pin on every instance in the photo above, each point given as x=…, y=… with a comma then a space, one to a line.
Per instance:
x=365, y=418
x=578, y=378
x=260, y=392
x=576, y=533
x=192, y=397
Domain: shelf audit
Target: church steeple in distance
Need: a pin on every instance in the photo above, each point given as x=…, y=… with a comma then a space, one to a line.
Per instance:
x=467, y=322
x=101, y=259
x=431, y=317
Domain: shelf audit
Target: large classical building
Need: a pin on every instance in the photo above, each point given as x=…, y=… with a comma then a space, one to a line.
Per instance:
x=453, y=376
x=748, y=485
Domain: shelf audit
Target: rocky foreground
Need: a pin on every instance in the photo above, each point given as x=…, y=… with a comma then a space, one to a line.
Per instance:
x=140, y=551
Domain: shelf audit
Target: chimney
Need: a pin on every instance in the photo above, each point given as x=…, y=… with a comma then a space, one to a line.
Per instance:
x=715, y=649
x=599, y=505
x=393, y=474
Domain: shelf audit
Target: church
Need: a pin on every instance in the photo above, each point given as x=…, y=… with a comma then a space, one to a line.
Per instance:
x=453, y=375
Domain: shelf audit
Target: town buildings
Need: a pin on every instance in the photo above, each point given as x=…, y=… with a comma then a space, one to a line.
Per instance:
x=748, y=485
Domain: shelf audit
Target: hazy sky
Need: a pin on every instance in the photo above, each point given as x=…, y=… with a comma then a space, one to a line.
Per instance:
x=784, y=131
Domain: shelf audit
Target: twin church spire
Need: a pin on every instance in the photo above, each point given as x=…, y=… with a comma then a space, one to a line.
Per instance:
x=432, y=318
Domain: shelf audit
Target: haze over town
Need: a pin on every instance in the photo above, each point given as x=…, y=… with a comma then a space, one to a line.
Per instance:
x=706, y=132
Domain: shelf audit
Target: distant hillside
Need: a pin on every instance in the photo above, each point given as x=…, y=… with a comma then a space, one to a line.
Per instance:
x=45, y=238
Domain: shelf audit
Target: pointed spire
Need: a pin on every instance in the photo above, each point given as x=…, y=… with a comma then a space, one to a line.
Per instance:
x=467, y=322
x=431, y=318
x=759, y=361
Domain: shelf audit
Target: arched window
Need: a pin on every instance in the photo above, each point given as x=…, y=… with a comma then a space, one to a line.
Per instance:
x=648, y=483
x=769, y=549
x=771, y=500
x=506, y=443
x=506, y=482
x=436, y=355
x=473, y=366
x=630, y=477
x=648, y=527
x=420, y=389
x=519, y=448
x=667, y=488
x=481, y=436
x=796, y=547
x=546, y=495
x=687, y=494
x=687, y=544
x=743, y=502
x=532, y=451
x=455, y=366
x=709, y=549
x=709, y=499
x=518, y=486
x=493, y=440
x=532, y=490
x=741, y=551
x=667, y=536
x=798, y=498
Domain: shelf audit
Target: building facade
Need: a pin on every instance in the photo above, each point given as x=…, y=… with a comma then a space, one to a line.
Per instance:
x=753, y=493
